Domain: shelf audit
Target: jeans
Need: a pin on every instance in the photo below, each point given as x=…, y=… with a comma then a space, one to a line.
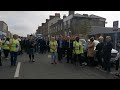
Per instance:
x=54, y=55
x=13, y=58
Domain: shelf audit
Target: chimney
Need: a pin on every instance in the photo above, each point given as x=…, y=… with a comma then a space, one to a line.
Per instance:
x=46, y=20
x=71, y=12
x=51, y=17
x=57, y=15
x=64, y=16
x=43, y=24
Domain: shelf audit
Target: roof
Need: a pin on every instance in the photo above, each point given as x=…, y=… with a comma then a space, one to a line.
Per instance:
x=101, y=30
x=88, y=16
x=84, y=16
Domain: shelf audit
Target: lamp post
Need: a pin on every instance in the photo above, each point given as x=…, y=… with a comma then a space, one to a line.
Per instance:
x=115, y=28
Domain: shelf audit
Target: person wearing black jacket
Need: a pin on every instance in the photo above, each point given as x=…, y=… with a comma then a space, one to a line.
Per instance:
x=48, y=47
x=64, y=46
x=60, y=48
x=31, y=46
x=107, y=53
x=99, y=52
x=69, y=46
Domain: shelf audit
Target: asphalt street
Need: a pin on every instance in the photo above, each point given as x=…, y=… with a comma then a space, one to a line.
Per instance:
x=43, y=69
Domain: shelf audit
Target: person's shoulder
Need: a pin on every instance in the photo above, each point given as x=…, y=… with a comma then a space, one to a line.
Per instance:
x=74, y=41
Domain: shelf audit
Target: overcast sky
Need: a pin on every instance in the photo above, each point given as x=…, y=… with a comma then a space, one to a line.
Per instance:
x=26, y=22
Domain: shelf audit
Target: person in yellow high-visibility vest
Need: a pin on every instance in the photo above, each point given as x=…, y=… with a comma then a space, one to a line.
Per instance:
x=0, y=52
x=77, y=51
x=14, y=48
x=53, y=49
x=6, y=48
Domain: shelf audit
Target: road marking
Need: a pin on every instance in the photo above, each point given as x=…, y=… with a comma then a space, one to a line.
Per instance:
x=17, y=70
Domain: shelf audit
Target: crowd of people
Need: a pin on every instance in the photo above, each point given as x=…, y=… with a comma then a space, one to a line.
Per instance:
x=75, y=53
x=9, y=46
x=69, y=47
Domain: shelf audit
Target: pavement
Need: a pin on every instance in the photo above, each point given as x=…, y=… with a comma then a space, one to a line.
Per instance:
x=43, y=69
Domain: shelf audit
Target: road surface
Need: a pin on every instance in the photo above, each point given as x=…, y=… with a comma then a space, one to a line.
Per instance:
x=43, y=69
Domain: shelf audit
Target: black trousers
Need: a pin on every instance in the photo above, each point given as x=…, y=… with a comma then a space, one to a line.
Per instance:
x=6, y=53
x=107, y=64
x=60, y=53
x=0, y=59
x=117, y=64
x=63, y=51
x=77, y=57
x=31, y=56
x=31, y=53
x=100, y=62
x=91, y=61
x=48, y=48
x=42, y=49
x=21, y=49
x=69, y=54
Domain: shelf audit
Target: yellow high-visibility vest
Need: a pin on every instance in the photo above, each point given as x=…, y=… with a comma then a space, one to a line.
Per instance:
x=5, y=46
x=53, y=46
x=14, y=45
x=78, y=47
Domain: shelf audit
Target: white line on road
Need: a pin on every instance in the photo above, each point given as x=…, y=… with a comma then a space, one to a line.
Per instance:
x=17, y=70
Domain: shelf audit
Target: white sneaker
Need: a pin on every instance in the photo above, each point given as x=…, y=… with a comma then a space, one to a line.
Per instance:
x=113, y=72
x=33, y=60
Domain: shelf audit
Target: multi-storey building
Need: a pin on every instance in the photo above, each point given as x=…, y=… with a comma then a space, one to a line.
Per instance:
x=76, y=23
x=52, y=20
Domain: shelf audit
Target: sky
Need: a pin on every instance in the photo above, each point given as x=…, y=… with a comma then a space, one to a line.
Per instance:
x=27, y=22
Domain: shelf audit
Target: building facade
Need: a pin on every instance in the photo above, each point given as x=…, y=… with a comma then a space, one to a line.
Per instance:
x=52, y=20
x=76, y=24
x=3, y=29
x=70, y=25
x=80, y=24
x=57, y=29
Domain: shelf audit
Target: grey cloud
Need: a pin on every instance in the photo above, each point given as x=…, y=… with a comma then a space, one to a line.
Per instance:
x=26, y=22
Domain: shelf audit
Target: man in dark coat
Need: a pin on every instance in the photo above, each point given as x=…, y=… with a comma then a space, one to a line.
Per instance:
x=99, y=52
x=60, y=48
x=69, y=46
x=107, y=53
